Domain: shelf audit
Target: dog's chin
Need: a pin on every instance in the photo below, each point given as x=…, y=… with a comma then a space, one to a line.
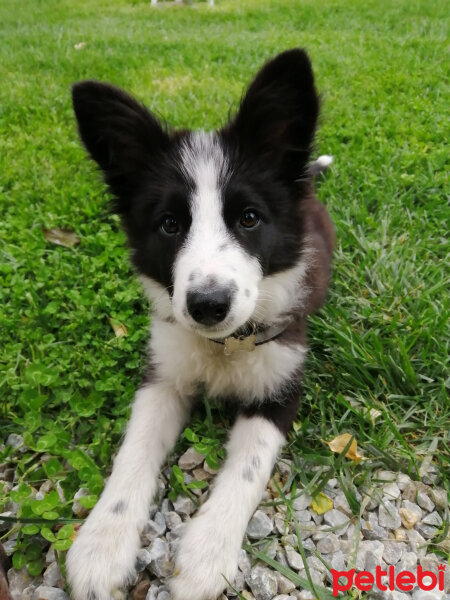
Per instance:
x=223, y=330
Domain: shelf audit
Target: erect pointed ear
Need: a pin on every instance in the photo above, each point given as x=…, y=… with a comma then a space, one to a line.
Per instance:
x=120, y=134
x=277, y=117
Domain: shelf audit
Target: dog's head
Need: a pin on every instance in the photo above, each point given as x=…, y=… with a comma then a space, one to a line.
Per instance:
x=211, y=218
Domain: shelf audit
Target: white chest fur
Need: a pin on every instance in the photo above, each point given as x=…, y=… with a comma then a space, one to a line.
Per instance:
x=188, y=360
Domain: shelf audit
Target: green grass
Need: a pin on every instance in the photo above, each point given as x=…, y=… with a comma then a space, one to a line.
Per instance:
x=381, y=342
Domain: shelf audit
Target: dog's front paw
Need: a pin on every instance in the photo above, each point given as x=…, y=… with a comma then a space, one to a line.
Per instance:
x=206, y=559
x=101, y=561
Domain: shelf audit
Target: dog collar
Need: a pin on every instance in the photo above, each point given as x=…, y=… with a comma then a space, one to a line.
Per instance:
x=259, y=334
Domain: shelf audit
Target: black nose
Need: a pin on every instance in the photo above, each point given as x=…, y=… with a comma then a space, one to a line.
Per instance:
x=209, y=308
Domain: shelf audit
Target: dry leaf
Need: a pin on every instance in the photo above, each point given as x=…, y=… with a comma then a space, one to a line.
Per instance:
x=61, y=237
x=119, y=328
x=340, y=442
x=374, y=413
x=321, y=503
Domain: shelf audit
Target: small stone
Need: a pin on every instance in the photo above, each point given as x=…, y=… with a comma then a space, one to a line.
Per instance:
x=301, y=502
x=424, y=501
x=172, y=519
x=282, y=597
x=201, y=475
x=28, y=593
x=18, y=581
x=238, y=584
x=44, y=592
x=164, y=595
x=190, y=459
x=140, y=591
x=315, y=563
x=16, y=442
x=244, y=562
x=183, y=505
x=260, y=526
x=50, y=556
x=284, y=466
x=427, y=531
x=372, y=499
x=337, y=560
x=336, y=518
x=303, y=516
x=295, y=561
x=371, y=529
x=143, y=559
x=419, y=594
x=433, y=518
x=281, y=557
x=400, y=535
x=403, y=480
x=317, y=576
x=52, y=576
x=328, y=544
x=388, y=515
x=440, y=498
x=416, y=542
x=407, y=563
x=408, y=517
x=263, y=583
x=340, y=502
x=247, y=595
x=308, y=544
x=160, y=564
x=391, y=491
x=271, y=549
x=305, y=595
x=77, y=508
x=386, y=476
x=152, y=592
x=284, y=585
x=154, y=528
x=281, y=524
x=395, y=595
x=393, y=551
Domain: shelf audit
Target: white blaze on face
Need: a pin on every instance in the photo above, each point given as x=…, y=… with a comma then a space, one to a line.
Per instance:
x=210, y=255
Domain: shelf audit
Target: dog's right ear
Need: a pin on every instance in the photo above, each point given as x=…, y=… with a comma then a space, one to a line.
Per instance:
x=120, y=134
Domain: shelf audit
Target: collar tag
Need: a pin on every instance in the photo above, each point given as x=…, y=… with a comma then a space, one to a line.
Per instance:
x=241, y=343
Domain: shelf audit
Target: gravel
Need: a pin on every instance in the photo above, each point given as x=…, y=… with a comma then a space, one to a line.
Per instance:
x=400, y=521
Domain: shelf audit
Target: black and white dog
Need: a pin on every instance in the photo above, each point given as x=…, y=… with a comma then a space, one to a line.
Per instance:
x=233, y=250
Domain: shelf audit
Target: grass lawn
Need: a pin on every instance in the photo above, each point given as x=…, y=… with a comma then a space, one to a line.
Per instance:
x=377, y=367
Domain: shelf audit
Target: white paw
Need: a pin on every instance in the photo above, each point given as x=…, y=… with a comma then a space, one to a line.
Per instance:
x=101, y=561
x=206, y=559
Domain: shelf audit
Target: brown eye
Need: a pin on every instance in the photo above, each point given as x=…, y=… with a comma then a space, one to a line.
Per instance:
x=170, y=225
x=249, y=219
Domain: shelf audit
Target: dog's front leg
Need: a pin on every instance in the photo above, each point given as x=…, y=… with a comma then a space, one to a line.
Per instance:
x=102, y=558
x=209, y=549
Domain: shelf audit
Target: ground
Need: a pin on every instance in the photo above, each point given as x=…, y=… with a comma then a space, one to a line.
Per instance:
x=74, y=322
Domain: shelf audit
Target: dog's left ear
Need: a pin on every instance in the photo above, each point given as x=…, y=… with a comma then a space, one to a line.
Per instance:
x=277, y=117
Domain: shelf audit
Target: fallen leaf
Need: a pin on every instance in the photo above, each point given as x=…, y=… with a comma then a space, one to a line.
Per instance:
x=340, y=442
x=61, y=237
x=119, y=328
x=374, y=413
x=321, y=503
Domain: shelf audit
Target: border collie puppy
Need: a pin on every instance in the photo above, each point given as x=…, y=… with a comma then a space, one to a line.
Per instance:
x=233, y=250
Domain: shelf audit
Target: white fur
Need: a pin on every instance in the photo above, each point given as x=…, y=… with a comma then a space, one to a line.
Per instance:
x=209, y=251
x=102, y=558
x=188, y=360
x=208, y=552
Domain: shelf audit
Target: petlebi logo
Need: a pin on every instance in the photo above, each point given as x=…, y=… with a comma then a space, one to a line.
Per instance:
x=404, y=581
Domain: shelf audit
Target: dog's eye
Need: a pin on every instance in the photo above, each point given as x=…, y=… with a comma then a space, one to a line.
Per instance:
x=170, y=225
x=249, y=219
